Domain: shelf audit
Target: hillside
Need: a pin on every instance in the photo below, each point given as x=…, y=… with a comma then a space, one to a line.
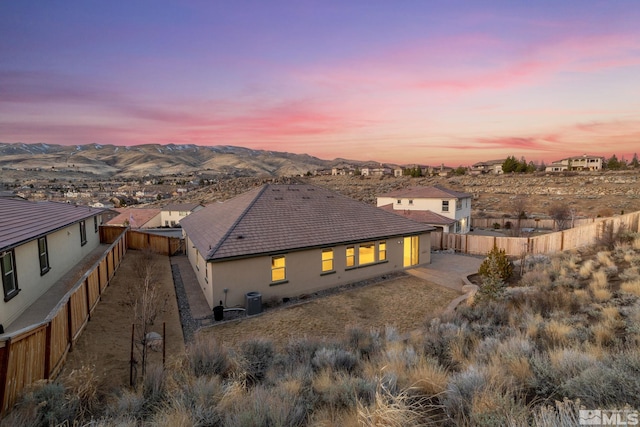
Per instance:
x=94, y=161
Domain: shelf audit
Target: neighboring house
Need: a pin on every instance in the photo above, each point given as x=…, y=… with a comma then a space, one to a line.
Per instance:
x=490, y=166
x=39, y=243
x=136, y=218
x=437, y=206
x=577, y=163
x=376, y=171
x=171, y=215
x=289, y=240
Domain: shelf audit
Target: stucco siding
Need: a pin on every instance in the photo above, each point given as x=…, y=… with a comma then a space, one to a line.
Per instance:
x=303, y=272
x=64, y=252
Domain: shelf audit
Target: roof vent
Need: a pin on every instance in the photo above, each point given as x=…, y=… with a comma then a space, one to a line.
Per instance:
x=240, y=236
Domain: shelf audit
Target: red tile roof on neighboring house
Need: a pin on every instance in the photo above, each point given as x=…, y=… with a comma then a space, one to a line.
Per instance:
x=427, y=217
x=140, y=217
x=23, y=220
x=435, y=192
x=275, y=218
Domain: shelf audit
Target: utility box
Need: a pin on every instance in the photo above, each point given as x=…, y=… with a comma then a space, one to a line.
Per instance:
x=253, y=303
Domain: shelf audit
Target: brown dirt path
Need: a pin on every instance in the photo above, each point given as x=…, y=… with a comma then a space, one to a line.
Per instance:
x=106, y=342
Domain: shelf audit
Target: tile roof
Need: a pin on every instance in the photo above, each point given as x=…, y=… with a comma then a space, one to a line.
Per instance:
x=435, y=192
x=24, y=220
x=182, y=207
x=140, y=216
x=427, y=217
x=275, y=218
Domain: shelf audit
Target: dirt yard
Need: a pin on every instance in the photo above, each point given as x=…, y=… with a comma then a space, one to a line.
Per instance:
x=404, y=303
x=105, y=344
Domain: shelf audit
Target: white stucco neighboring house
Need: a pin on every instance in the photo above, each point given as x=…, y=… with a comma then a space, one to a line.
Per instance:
x=284, y=241
x=577, y=163
x=171, y=215
x=489, y=166
x=437, y=206
x=39, y=243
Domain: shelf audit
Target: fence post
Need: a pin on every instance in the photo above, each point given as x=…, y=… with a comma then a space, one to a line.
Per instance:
x=69, y=325
x=47, y=352
x=3, y=374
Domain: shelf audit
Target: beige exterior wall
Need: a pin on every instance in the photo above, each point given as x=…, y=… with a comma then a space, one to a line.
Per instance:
x=64, y=250
x=463, y=215
x=303, y=272
x=167, y=216
x=202, y=270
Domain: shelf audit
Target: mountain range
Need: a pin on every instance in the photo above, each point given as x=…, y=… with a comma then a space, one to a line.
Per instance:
x=95, y=161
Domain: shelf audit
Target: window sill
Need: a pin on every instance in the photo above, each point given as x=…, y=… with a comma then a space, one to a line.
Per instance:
x=45, y=271
x=366, y=265
x=12, y=295
x=326, y=273
x=83, y=243
x=281, y=282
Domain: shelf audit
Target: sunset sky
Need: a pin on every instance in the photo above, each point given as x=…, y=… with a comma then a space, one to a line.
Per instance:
x=407, y=81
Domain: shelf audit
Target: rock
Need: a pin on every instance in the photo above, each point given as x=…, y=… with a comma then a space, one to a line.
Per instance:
x=154, y=341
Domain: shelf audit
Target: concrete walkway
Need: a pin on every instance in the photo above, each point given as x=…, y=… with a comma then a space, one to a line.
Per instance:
x=451, y=271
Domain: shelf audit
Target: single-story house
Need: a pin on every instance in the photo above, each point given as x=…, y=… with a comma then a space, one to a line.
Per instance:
x=288, y=240
x=445, y=209
x=39, y=243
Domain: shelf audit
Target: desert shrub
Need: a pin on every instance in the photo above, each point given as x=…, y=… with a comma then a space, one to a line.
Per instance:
x=44, y=404
x=266, y=407
x=154, y=387
x=496, y=407
x=563, y=414
x=127, y=403
x=630, y=274
x=397, y=409
x=257, y=357
x=84, y=386
x=341, y=390
x=535, y=277
x=300, y=351
x=496, y=265
x=206, y=357
x=336, y=359
x=365, y=344
x=436, y=341
x=631, y=287
x=199, y=399
x=461, y=390
x=496, y=225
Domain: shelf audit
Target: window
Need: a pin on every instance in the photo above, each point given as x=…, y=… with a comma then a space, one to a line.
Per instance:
x=351, y=256
x=9, y=279
x=382, y=251
x=83, y=233
x=166, y=223
x=410, y=201
x=445, y=206
x=278, y=269
x=43, y=254
x=399, y=201
x=366, y=253
x=327, y=260
x=95, y=224
x=458, y=204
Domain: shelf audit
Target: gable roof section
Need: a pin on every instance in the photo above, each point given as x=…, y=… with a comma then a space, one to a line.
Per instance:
x=181, y=207
x=278, y=218
x=24, y=220
x=435, y=192
x=427, y=217
x=140, y=216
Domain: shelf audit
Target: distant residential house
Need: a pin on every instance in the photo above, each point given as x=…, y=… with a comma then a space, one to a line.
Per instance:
x=577, y=163
x=380, y=171
x=102, y=204
x=398, y=172
x=437, y=206
x=171, y=215
x=489, y=166
x=39, y=243
x=288, y=240
x=137, y=218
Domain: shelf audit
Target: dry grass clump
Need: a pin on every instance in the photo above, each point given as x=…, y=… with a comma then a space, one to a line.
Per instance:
x=631, y=287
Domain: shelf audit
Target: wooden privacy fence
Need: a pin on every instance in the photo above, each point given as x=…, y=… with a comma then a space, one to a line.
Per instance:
x=573, y=238
x=38, y=352
x=163, y=245
x=546, y=224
